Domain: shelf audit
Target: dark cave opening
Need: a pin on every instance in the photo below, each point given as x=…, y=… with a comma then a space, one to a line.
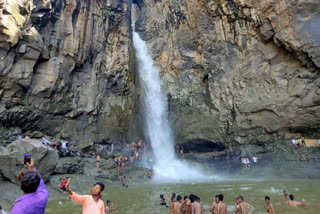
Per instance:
x=202, y=146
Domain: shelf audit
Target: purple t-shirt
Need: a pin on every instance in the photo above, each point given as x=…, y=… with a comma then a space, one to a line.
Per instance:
x=32, y=203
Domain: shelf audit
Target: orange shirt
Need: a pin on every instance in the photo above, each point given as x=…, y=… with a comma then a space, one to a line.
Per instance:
x=89, y=206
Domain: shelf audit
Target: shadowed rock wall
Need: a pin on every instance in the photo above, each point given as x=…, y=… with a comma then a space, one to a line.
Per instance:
x=237, y=72
x=67, y=69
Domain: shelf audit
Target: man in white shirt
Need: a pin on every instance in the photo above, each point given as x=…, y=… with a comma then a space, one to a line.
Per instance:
x=255, y=161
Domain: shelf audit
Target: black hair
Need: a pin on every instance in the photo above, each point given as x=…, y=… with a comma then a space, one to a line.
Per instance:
x=241, y=197
x=291, y=197
x=191, y=197
x=217, y=196
x=101, y=184
x=221, y=197
x=0, y=207
x=179, y=198
x=185, y=197
x=284, y=191
x=29, y=181
x=267, y=198
x=173, y=194
x=161, y=196
x=173, y=197
x=108, y=201
x=67, y=177
x=124, y=176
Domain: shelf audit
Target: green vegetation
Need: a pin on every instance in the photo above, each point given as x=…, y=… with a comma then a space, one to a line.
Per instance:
x=111, y=14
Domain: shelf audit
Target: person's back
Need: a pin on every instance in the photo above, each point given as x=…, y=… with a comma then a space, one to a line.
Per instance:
x=35, y=198
x=177, y=207
x=196, y=208
x=244, y=205
x=222, y=207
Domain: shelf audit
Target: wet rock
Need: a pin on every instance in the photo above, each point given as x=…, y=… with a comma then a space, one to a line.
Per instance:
x=45, y=158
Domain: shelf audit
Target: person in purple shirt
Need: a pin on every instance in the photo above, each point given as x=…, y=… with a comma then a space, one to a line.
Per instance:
x=35, y=194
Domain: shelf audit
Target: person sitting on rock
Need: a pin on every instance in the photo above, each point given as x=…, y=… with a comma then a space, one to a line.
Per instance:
x=35, y=194
x=91, y=204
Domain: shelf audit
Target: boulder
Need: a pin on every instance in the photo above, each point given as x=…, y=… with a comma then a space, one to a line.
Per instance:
x=12, y=158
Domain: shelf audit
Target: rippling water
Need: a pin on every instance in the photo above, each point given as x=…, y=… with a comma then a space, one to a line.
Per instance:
x=139, y=198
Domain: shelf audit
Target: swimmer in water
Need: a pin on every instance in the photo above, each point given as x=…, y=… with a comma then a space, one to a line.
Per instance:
x=286, y=195
x=293, y=203
x=270, y=209
x=222, y=207
x=242, y=206
x=214, y=205
x=186, y=205
x=109, y=208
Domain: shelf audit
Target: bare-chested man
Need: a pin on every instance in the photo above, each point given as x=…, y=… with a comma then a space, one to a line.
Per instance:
x=222, y=207
x=168, y=194
x=196, y=206
x=286, y=195
x=171, y=206
x=270, y=209
x=242, y=206
x=186, y=206
x=293, y=203
x=214, y=205
x=177, y=205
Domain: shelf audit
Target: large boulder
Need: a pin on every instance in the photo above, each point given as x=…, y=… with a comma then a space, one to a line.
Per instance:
x=12, y=158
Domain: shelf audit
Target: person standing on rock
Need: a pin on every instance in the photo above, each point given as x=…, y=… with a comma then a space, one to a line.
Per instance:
x=303, y=143
x=35, y=194
x=91, y=204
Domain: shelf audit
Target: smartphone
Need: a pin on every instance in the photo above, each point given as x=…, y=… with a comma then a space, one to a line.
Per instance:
x=27, y=158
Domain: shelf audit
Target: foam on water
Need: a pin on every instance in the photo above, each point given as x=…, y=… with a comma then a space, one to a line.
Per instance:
x=157, y=128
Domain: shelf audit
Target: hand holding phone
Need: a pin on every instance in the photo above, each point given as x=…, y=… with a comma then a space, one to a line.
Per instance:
x=27, y=158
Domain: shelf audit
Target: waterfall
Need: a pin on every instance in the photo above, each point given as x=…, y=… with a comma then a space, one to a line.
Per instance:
x=157, y=126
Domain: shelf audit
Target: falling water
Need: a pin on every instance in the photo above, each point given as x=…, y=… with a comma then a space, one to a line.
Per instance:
x=157, y=126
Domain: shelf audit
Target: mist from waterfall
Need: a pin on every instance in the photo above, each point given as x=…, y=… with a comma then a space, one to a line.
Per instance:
x=157, y=127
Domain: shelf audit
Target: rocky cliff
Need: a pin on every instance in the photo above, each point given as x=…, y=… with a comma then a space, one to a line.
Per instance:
x=66, y=69
x=237, y=72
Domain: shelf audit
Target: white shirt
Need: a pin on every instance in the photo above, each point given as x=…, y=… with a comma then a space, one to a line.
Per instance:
x=254, y=159
x=64, y=145
x=293, y=141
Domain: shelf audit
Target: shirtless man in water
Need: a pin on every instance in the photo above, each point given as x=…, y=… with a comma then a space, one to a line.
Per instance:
x=214, y=206
x=196, y=206
x=186, y=206
x=171, y=206
x=177, y=205
x=293, y=203
x=222, y=207
x=270, y=209
x=242, y=206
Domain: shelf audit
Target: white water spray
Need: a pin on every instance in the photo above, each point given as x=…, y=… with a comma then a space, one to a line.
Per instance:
x=157, y=128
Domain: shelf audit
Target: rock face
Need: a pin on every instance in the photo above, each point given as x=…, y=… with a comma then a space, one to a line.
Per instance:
x=67, y=68
x=12, y=158
x=237, y=72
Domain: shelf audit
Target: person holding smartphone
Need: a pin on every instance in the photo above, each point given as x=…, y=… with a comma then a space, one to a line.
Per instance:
x=35, y=194
x=91, y=204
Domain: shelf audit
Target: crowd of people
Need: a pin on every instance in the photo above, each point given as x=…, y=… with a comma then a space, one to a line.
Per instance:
x=245, y=161
x=134, y=153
